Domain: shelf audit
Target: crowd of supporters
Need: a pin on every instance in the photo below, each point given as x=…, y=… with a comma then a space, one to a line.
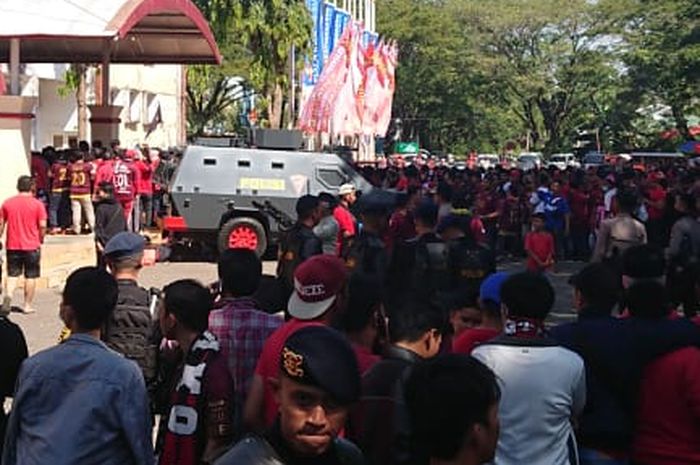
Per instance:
x=398, y=340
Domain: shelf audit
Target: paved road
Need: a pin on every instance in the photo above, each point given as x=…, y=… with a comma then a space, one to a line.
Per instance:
x=42, y=328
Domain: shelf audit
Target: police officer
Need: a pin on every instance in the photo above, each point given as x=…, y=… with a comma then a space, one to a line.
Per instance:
x=367, y=258
x=469, y=263
x=299, y=243
x=130, y=330
x=421, y=262
x=319, y=380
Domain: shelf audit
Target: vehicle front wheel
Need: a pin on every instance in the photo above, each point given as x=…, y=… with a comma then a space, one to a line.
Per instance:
x=243, y=232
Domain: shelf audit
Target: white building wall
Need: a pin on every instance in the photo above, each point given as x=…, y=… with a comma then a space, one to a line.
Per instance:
x=140, y=89
x=55, y=115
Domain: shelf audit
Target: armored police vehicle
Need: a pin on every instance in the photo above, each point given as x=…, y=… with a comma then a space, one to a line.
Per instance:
x=242, y=197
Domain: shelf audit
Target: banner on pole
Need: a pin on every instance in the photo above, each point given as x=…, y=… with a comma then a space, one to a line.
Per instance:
x=312, y=64
x=329, y=12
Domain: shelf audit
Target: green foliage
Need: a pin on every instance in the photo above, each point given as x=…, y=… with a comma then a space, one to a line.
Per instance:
x=255, y=37
x=663, y=57
x=481, y=73
x=71, y=79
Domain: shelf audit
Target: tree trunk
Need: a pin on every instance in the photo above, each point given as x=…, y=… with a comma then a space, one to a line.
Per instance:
x=681, y=121
x=81, y=101
x=274, y=107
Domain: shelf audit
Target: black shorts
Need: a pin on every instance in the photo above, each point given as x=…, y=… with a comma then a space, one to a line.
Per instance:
x=27, y=261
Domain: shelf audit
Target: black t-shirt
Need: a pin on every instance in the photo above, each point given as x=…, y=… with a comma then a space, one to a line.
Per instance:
x=13, y=347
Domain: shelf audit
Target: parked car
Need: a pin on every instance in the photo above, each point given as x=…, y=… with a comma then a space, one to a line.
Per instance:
x=562, y=161
x=593, y=160
x=529, y=161
x=488, y=160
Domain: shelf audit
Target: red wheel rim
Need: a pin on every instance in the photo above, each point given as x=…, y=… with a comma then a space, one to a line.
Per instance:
x=243, y=237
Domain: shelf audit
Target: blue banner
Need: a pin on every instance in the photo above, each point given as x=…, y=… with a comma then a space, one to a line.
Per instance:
x=328, y=29
x=314, y=63
x=338, y=25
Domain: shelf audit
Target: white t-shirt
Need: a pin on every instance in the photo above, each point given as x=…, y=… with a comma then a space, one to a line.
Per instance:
x=543, y=387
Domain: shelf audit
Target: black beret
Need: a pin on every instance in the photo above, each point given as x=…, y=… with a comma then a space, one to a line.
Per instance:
x=125, y=244
x=377, y=201
x=321, y=357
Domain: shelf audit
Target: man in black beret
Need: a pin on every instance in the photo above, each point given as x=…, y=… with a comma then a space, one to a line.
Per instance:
x=130, y=328
x=367, y=257
x=319, y=380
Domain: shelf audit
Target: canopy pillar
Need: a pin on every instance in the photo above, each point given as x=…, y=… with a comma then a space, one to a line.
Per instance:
x=104, y=122
x=16, y=114
x=14, y=67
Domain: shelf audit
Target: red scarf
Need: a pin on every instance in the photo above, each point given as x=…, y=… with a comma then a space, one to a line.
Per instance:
x=525, y=328
x=182, y=436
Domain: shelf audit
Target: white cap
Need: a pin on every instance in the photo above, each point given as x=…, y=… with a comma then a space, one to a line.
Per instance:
x=346, y=189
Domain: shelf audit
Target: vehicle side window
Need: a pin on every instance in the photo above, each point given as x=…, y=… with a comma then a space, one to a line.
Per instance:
x=331, y=177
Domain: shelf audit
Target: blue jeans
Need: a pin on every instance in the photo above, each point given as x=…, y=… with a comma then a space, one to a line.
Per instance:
x=594, y=457
x=59, y=202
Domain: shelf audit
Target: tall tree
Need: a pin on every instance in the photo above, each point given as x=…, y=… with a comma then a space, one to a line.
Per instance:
x=75, y=79
x=551, y=59
x=663, y=53
x=255, y=37
x=270, y=29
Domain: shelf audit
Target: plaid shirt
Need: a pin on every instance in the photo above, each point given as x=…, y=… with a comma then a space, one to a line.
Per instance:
x=241, y=330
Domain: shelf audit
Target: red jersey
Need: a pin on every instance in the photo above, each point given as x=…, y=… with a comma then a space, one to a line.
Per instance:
x=60, y=180
x=470, y=338
x=655, y=194
x=23, y=215
x=365, y=358
x=541, y=244
x=40, y=172
x=80, y=177
x=579, y=201
x=145, y=169
x=269, y=362
x=668, y=413
x=346, y=225
x=104, y=173
x=125, y=180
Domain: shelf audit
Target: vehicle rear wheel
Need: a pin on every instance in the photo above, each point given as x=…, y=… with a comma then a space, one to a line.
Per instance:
x=243, y=232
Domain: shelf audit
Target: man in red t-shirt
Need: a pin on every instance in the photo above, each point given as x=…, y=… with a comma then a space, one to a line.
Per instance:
x=25, y=219
x=667, y=419
x=345, y=219
x=40, y=174
x=105, y=172
x=81, y=174
x=59, y=201
x=126, y=179
x=319, y=285
x=655, y=202
x=146, y=168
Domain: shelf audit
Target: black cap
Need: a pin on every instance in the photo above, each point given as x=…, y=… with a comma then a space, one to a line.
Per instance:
x=124, y=244
x=644, y=262
x=377, y=201
x=321, y=357
x=306, y=205
x=454, y=221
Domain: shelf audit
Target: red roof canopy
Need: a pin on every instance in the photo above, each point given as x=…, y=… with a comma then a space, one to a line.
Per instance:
x=131, y=31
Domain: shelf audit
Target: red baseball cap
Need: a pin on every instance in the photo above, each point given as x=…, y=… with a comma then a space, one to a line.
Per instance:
x=317, y=282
